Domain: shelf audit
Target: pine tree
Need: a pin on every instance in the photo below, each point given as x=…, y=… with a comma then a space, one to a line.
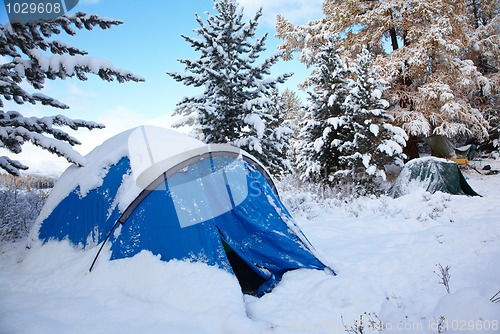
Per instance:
x=325, y=129
x=24, y=50
x=376, y=142
x=234, y=107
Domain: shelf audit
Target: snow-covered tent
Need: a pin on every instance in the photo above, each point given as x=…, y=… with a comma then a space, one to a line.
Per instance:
x=431, y=174
x=154, y=189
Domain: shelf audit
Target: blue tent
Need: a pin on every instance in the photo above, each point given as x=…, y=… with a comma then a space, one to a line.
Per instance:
x=155, y=189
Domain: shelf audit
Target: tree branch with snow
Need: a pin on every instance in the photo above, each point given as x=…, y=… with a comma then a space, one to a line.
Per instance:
x=28, y=55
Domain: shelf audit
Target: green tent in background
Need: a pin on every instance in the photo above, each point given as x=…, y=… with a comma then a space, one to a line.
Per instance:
x=442, y=148
x=431, y=174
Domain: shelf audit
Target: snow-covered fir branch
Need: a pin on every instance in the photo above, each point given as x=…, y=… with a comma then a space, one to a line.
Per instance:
x=30, y=55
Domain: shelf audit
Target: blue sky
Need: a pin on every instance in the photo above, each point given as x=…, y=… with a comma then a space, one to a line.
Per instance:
x=148, y=44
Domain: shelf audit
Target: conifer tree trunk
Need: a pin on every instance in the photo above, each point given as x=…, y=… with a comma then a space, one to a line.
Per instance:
x=394, y=39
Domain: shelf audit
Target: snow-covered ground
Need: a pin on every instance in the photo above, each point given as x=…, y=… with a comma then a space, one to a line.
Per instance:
x=387, y=254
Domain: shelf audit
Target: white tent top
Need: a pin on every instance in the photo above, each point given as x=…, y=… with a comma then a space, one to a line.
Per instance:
x=153, y=150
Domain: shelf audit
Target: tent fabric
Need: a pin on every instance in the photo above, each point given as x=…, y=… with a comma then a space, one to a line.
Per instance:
x=209, y=197
x=431, y=174
x=442, y=148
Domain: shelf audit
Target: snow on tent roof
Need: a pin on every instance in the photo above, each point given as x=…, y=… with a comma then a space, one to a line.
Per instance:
x=153, y=150
x=166, y=149
x=177, y=198
x=90, y=176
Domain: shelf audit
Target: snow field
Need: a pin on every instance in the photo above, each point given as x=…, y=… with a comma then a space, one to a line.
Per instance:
x=51, y=291
x=385, y=251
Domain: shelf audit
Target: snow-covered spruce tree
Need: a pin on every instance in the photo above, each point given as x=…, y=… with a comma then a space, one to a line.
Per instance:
x=236, y=105
x=375, y=141
x=442, y=64
x=325, y=129
x=275, y=141
x=29, y=55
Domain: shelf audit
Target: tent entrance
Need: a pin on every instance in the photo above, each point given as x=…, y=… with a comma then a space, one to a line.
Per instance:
x=249, y=280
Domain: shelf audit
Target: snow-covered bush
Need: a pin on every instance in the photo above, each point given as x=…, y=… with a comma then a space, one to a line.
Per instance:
x=21, y=199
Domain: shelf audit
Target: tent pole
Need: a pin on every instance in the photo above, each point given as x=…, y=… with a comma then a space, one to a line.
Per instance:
x=125, y=215
x=103, y=243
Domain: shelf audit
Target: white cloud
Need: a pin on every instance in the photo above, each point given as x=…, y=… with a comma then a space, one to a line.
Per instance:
x=116, y=120
x=297, y=11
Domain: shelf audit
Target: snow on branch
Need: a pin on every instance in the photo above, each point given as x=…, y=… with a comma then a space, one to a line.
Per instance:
x=11, y=166
x=29, y=54
x=70, y=66
x=24, y=48
x=16, y=129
